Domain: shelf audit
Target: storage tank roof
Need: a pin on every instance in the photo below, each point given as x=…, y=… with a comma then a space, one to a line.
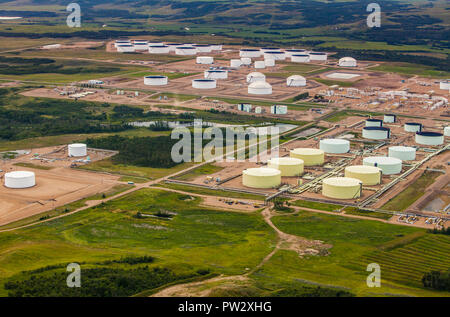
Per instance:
x=335, y=141
x=250, y=50
x=363, y=169
x=347, y=59
x=77, y=145
x=286, y=161
x=377, y=128
x=432, y=134
x=307, y=151
x=256, y=74
x=296, y=77
x=19, y=174
x=384, y=160
x=413, y=123
x=260, y=84
x=342, y=181
x=262, y=171
x=402, y=148
x=374, y=120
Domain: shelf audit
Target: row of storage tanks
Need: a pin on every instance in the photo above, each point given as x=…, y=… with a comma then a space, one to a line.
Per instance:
x=128, y=46
x=375, y=130
x=26, y=179
x=348, y=187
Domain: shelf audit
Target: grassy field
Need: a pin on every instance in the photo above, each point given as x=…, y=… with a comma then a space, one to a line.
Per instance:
x=316, y=205
x=411, y=69
x=360, y=212
x=416, y=190
x=202, y=170
x=404, y=254
x=35, y=166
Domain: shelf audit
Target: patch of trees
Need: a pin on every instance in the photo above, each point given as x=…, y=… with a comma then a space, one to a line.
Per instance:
x=312, y=291
x=302, y=96
x=437, y=280
x=445, y=231
x=160, y=126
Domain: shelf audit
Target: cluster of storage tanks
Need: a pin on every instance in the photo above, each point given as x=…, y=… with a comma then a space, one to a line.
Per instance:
x=128, y=46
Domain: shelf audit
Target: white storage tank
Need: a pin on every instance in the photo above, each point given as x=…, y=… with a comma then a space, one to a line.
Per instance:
x=173, y=46
x=260, y=88
x=156, y=80
x=261, y=177
x=246, y=61
x=296, y=81
x=276, y=55
x=203, y=48
x=250, y=53
x=255, y=76
x=260, y=65
x=335, y=146
x=291, y=52
x=216, y=74
x=310, y=156
x=125, y=48
x=347, y=62
x=300, y=58
x=445, y=85
x=122, y=42
x=20, y=180
x=185, y=50
x=341, y=188
x=389, y=165
x=140, y=47
x=374, y=123
x=447, y=131
x=376, y=133
x=159, y=49
x=269, y=62
x=318, y=56
x=390, y=118
x=413, y=127
x=216, y=47
x=77, y=150
x=235, y=63
x=404, y=153
x=429, y=138
x=204, y=83
x=368, y=175
x=288, y=166
x=205, y=60
x=270, y=49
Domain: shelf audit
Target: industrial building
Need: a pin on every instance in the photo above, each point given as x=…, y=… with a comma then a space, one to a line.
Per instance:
x=260, y=88
x=318, y=56
x=347, y=62
x=262, y=177
x=388, y=165
x=341, y=188
x=204, y=83
x=77, y=150
x=245, y=107
x=216, y=74
x=300, y=58
x=156, y=80
x=255, y=76
x=288, y=166
x=278, y=109
x=404, y=153
x=413, y=127
x=250, y=53
x=390, y=118
x=374, y=123
x=376, y=133
x=335, y=146
x=310, y=157
x=205, y=60
x=296, y=81
x=20, y=180
x=429, y=138
x=368, y=175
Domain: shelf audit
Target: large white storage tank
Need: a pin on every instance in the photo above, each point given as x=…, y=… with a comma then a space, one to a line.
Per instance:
x=270, y=62
x=447, y=131
x=140, y=46
x=288, y=166
x=278, y=56
x=413, y=127
x=255, y=76
x=250, y=53
x=270, y=49
x=260, y=88
x=390, y=118
x=368, y=175
x=389, y=165
x=296, y=81
x=235, y=63
x=404, y=153
x=341, y=188
x=374, y=123
x=247, y=61
x=207, y=60
x=310, y=157
x=318, y=56
x=203, y=48
x=347, y=62
x=300, y=58
x=216, y=74
x=159, y=49
x=122, y=42
x=185, y=50
x=429, y=138
x=445, y=85
x=294, y=51
x=376, y=133
x=173, y=46
x=216, y=47
x=204, y=83
x=125, y=48
x=335, y=146
x=156, y=80
x=261, y=177
x=77, y=150
x=20, y=180
x=260, y=65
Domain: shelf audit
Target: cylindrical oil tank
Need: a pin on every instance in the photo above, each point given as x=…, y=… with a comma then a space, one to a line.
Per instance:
x=255, y=76
x=246, y=61
x=374, y=123
x=318, y=56
x=296, y=81
x=125, y=48
x=235, y=63
x=347, y=62
x=310, y=157
x=269, y=62
x=77, y=150
x=341, y=188
x=288, y=166
x=291, y=52
x=20, y=180
x=445, y=85
x=216, y=47
x=376, y=133
x=156, y=80
x=429, y=138
x=205, y=60
x=276, y=55
x=203, y=48
x=261, y=177
x=185, y=50
x=390, y=118
x=250, y=52
x=335, y=146
x=260, y=88
x=159, y=49
x=204, y=83
x=216, y=74
x=173, y=46
x=260, y=65
x=404, y=153
x=389, y=165
x=413, y=127
x=270, y=49
x=368, y=175
x=139, y=47
x=447, y=131
x=300, y=58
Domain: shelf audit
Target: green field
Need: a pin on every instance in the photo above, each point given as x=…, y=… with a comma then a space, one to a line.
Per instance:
x=206, y=169
x=411, y=69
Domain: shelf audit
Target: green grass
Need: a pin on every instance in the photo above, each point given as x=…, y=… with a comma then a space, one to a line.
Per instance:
x=174, y=75
x=360, y=212
x=316, y=205
x=334, y=82
x=34, y=166
x=412, y=193
x=206, y=169
x=411, y=69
